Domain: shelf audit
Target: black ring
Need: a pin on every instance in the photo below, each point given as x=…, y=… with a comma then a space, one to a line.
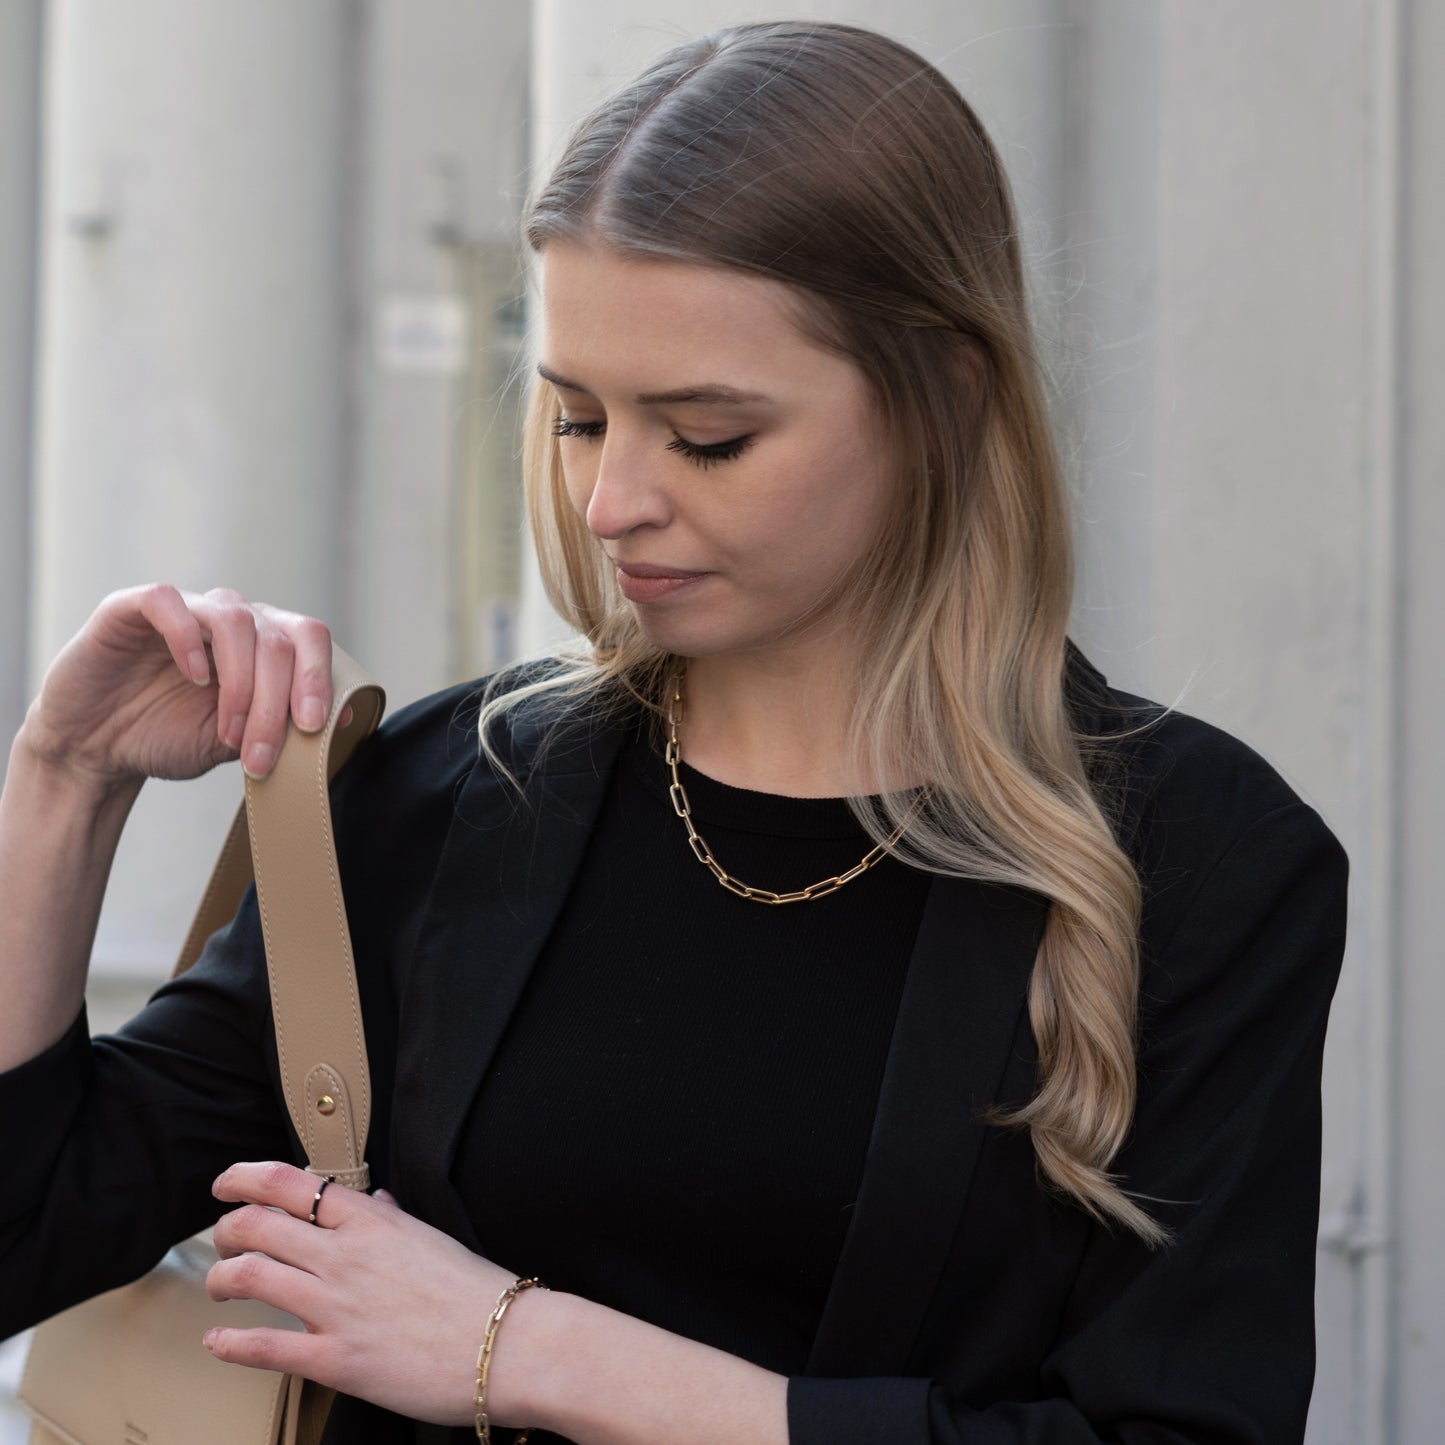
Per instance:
x=316, y=1203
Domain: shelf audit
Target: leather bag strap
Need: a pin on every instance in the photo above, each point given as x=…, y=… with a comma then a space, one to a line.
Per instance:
x=283, y=835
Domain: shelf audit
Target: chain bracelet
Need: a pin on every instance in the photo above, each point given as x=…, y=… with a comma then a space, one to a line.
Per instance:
x=484, y=1359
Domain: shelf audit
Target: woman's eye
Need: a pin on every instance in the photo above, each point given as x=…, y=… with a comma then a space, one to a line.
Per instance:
x=565, y=427
x=702, y=454
x=705, y=454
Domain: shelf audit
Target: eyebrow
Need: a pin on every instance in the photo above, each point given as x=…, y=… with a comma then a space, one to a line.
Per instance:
x=711, y=393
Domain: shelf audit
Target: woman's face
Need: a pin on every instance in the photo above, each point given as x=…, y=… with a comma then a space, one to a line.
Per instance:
x=730, y=467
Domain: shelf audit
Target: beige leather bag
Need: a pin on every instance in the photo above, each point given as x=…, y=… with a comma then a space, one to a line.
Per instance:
x=128, y=1368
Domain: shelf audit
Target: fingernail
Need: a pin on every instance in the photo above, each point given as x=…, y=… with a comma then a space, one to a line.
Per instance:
x=200, y=668
x=209, y=1338
x=236, y=731
x=312, y=714
x=259, y=757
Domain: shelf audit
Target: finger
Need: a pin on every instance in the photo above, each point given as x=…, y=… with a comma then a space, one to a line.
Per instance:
x=271, y=701
x=255, y=1277
x=224, y=594
x=283, y=1186
x=232, y=626
x=268, y=1181
x=290, y=1352
x=311, y=675
x=255, y=1228
x=164, y=608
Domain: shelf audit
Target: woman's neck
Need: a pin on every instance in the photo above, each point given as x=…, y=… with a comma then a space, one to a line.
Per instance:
x=775, y=722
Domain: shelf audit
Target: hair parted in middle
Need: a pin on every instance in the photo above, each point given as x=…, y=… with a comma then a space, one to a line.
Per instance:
x=839, y=162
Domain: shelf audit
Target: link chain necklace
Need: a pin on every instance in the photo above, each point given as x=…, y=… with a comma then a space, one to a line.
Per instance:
x=704, y=854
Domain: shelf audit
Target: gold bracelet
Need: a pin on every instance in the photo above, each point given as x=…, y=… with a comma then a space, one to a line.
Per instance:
x=484, y=1359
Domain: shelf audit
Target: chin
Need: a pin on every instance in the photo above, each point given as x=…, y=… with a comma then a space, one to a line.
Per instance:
x=684, y=641
x=697, y=638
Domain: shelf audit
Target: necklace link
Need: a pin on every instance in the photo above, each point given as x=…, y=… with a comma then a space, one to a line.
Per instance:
x=681, y=805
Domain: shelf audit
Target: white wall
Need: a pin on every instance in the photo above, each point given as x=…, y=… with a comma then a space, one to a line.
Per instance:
x=20, y=33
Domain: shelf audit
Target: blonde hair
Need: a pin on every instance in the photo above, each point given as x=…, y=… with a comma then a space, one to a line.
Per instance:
x=839, y=162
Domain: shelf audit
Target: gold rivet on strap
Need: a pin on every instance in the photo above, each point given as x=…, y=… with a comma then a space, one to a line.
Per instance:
x=326, y=1104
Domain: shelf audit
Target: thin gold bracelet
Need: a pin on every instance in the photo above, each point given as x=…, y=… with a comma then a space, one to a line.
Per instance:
x=484, y=1359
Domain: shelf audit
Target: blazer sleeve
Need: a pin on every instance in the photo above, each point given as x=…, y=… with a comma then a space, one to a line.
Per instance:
x=1210, y=1338
x=111, y=1144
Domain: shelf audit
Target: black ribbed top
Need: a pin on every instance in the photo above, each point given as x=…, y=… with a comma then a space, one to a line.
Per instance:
x=677, y=1118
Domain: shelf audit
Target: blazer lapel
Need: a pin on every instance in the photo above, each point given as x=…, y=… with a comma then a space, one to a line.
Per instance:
x=961, y=1007
x=499, y=887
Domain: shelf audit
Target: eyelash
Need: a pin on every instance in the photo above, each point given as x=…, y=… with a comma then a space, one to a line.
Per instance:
x=702, y=454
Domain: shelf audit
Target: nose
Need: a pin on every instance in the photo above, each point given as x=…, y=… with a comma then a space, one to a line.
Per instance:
x=626, y=491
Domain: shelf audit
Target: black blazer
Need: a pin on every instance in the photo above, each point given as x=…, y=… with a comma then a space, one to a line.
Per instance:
x=968, y=1305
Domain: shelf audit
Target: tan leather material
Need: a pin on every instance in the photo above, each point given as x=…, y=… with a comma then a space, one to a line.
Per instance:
x=232, y=873
x=291, y=1410
x=128, y=1367
x=305, y=1424
x=228, y=882
x=308, y=944
x=359, y=1178
x=81, y=1383
x=331, y=1128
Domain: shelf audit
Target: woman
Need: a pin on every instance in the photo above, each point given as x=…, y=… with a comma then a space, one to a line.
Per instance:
x=1004, y=1129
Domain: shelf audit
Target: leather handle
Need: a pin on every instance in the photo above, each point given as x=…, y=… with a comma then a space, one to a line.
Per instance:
x=286, y=821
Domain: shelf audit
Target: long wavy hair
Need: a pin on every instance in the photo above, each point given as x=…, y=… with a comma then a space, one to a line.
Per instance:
x=841, y=163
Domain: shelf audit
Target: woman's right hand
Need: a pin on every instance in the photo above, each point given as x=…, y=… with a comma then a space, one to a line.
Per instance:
x=166, y=684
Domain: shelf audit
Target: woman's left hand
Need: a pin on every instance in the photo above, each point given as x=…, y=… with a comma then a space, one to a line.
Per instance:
x=394, y=1310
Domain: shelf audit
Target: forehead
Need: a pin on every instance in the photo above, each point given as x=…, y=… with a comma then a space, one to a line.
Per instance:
x=603, y=310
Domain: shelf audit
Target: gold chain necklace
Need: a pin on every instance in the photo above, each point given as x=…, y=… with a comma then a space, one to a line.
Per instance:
x=704, y=855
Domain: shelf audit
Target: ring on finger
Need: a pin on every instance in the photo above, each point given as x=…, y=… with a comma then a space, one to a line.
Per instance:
x=316, y=1203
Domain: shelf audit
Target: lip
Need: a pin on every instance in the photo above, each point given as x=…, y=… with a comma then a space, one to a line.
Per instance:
x=652, y=581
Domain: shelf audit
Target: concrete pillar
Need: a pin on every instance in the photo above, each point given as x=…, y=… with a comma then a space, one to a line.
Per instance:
x=1274, y=600
x=20, y=34
x=1417, y=1342
x=189, y=423
x=432, y=579
x=1105, y=354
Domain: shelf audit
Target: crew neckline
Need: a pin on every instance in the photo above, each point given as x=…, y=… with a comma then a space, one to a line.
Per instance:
x=744, y=809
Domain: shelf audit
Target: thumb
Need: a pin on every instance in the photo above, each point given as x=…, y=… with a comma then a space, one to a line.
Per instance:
x=386, y=1197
